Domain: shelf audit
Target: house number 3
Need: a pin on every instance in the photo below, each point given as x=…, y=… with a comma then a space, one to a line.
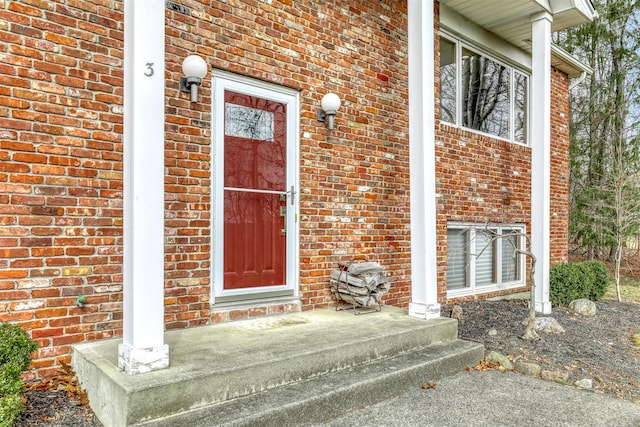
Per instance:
x=149, y=71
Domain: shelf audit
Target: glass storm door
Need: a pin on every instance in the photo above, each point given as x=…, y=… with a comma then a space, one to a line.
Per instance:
x=255, y=194
x=254, y=204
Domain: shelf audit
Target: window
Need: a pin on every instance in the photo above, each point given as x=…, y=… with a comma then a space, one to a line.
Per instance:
x=480, y=93
x=483, y=259
x=249, y=123
x=448, y=73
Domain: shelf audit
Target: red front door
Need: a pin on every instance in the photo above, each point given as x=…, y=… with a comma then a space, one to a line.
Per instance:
x=254, y=191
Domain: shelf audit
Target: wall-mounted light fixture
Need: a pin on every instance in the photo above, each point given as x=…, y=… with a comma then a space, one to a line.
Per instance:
x=194, y=69
x=330, y=104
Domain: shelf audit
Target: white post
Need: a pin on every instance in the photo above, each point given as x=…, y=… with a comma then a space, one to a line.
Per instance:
x=541, y=155
x=424, y=278
x=143, y=347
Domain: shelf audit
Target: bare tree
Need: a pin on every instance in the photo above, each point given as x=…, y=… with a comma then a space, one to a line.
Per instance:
x=623, y=210
x=604, y=143
x=529, y=333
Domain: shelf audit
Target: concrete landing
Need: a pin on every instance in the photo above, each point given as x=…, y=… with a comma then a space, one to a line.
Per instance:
x=293, y=369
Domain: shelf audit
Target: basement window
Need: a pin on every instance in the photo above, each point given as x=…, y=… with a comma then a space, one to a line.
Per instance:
x=483, y=258
x=482, y=94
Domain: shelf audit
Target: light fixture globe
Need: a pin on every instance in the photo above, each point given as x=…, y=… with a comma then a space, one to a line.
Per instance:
x=194, y=66
x=330, y=103
x=194, y=69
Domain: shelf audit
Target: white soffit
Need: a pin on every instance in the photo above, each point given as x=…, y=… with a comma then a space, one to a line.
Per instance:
x=564, y=61
x=511, y=20
x=463, y=27
x=571, y=13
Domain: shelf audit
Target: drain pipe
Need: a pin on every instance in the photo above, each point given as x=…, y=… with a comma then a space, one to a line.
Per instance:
x=579, y=80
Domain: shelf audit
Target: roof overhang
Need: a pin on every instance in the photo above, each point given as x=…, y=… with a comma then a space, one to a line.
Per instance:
x=511, y=21
x=565, y=62
x=571, y=13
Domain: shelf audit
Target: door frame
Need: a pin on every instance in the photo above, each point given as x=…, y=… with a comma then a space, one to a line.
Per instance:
x=222, y=80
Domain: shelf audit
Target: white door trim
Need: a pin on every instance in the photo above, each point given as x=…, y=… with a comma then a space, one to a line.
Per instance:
x=221, y=81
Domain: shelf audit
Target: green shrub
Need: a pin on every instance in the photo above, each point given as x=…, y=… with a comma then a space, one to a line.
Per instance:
x=570, y=281
x=15, y=357
x=600, y=279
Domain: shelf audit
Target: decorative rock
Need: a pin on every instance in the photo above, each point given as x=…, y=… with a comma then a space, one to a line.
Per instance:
x=548, y=325
x=585, y=383
x=555, y=376
x=527, y=368
x=496, y=357
x=583, y=306
x=456, y=312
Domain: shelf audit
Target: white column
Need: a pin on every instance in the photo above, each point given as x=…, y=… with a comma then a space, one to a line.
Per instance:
x=424, y=283
x=541, y=155
x=143, y=348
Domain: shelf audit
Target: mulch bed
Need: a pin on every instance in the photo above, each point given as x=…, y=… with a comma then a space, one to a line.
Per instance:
x=57, y=401
x=599, y=348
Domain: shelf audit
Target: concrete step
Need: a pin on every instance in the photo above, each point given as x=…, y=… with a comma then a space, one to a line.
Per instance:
x=222, y=364
x=319, y=399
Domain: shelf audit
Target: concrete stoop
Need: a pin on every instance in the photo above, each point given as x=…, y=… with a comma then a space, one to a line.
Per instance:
x=296, y=369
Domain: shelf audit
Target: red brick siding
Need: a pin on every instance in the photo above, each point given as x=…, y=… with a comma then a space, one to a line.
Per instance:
x=61, y=115
x=61, y=149
x=482, y=179
x=61, y=172
x=479, y=179
x=353, y=181
x=559, y=167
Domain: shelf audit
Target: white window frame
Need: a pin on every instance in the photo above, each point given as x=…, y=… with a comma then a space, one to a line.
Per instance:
x=472, y=253
x=461, y=44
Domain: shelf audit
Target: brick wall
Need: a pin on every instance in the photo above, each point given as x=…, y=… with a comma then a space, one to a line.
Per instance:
x=354, y=180
x=482, y=179
x=559, y=221
x=61, y=106
x=61, y=172
x=61, y=115
x=479, y=179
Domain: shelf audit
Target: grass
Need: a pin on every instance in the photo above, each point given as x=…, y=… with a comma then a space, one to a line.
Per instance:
x=629, y=290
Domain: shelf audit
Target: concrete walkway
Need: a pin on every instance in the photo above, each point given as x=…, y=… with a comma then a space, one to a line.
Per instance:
x=496, y=399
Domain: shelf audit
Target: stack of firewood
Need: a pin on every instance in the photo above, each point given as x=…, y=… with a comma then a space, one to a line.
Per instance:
x=359, y=283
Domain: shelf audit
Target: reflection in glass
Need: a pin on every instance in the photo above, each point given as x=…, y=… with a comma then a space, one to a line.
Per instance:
x=254, y=180
x=485, y=94
x=447, y=81
x=520, y=108
x=255, y=141
x=250, y=123
x=254, y=246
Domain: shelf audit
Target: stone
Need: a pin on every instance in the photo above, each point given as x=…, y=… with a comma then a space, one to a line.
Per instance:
x=496, y=357
x=585, y=383
x=583, y=306
x=559, y=376
x=528, y=368
x=548, y=325
x=492, y=333
x=456, y=312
